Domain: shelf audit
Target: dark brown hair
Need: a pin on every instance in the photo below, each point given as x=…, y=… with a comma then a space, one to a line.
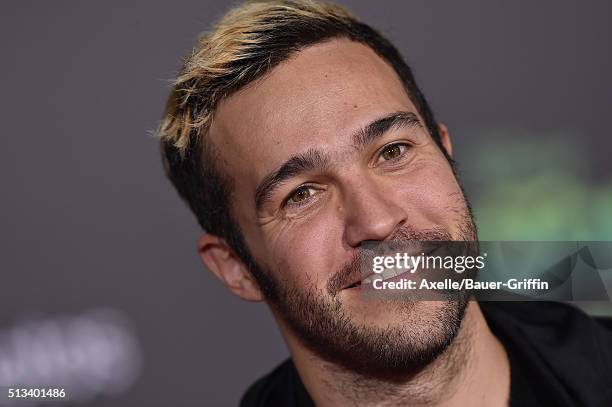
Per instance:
x=248, y=42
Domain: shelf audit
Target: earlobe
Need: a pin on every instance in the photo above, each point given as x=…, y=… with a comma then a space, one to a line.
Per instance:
x=445, y=139
x=219, y=258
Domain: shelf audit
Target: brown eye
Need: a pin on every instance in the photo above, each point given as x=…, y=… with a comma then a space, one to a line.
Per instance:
x=392, y=151
x=300, y=194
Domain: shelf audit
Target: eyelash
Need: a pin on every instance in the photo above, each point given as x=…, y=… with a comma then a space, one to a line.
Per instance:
x=390, y=145
x=286, y=201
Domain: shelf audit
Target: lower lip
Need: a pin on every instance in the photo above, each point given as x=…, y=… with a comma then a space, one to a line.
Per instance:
x=406, y=274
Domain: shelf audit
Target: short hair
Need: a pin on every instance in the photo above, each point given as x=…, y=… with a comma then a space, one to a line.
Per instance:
x=248, y=42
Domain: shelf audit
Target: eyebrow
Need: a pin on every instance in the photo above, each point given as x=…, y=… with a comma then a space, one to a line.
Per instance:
x=315, y=159
x=380, y=126
x=296, y=165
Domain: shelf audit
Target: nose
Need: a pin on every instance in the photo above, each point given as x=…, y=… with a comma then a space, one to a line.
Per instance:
x=371, y=213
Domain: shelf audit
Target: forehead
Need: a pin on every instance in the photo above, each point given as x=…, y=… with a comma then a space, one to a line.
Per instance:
x=317, y=98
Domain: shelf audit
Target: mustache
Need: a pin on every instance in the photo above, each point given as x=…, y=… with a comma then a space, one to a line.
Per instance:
x=403, y=237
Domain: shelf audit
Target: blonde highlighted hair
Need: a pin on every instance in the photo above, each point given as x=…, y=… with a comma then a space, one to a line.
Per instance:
x=249, y=41
x=239, y=47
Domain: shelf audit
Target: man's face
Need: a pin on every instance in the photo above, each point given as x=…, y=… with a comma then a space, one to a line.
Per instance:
x=327, y=152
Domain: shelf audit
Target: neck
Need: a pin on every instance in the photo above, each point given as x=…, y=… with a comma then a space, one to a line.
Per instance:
x=473, y=370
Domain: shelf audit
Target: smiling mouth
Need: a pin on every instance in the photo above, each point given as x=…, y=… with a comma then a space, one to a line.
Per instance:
x=387, y=274
x=354, y=285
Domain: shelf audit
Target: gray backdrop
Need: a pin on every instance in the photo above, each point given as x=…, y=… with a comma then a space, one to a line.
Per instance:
x=89, y=221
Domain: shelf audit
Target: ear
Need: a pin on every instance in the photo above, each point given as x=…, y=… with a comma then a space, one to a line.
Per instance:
x=223, y=263
x=445, y=139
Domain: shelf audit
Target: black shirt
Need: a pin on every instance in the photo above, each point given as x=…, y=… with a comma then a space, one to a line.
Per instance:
x=558, y=355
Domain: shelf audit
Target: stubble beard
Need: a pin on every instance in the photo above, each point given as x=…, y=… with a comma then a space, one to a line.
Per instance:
x=322, y=323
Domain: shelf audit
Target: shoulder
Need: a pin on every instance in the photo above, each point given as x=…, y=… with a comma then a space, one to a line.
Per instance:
x=575, y=347
x=553, y=325
x=271, y=389
x=553, y=319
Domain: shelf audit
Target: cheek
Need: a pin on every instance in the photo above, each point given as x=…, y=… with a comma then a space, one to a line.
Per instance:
x=308, y=252
x=433, y=193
